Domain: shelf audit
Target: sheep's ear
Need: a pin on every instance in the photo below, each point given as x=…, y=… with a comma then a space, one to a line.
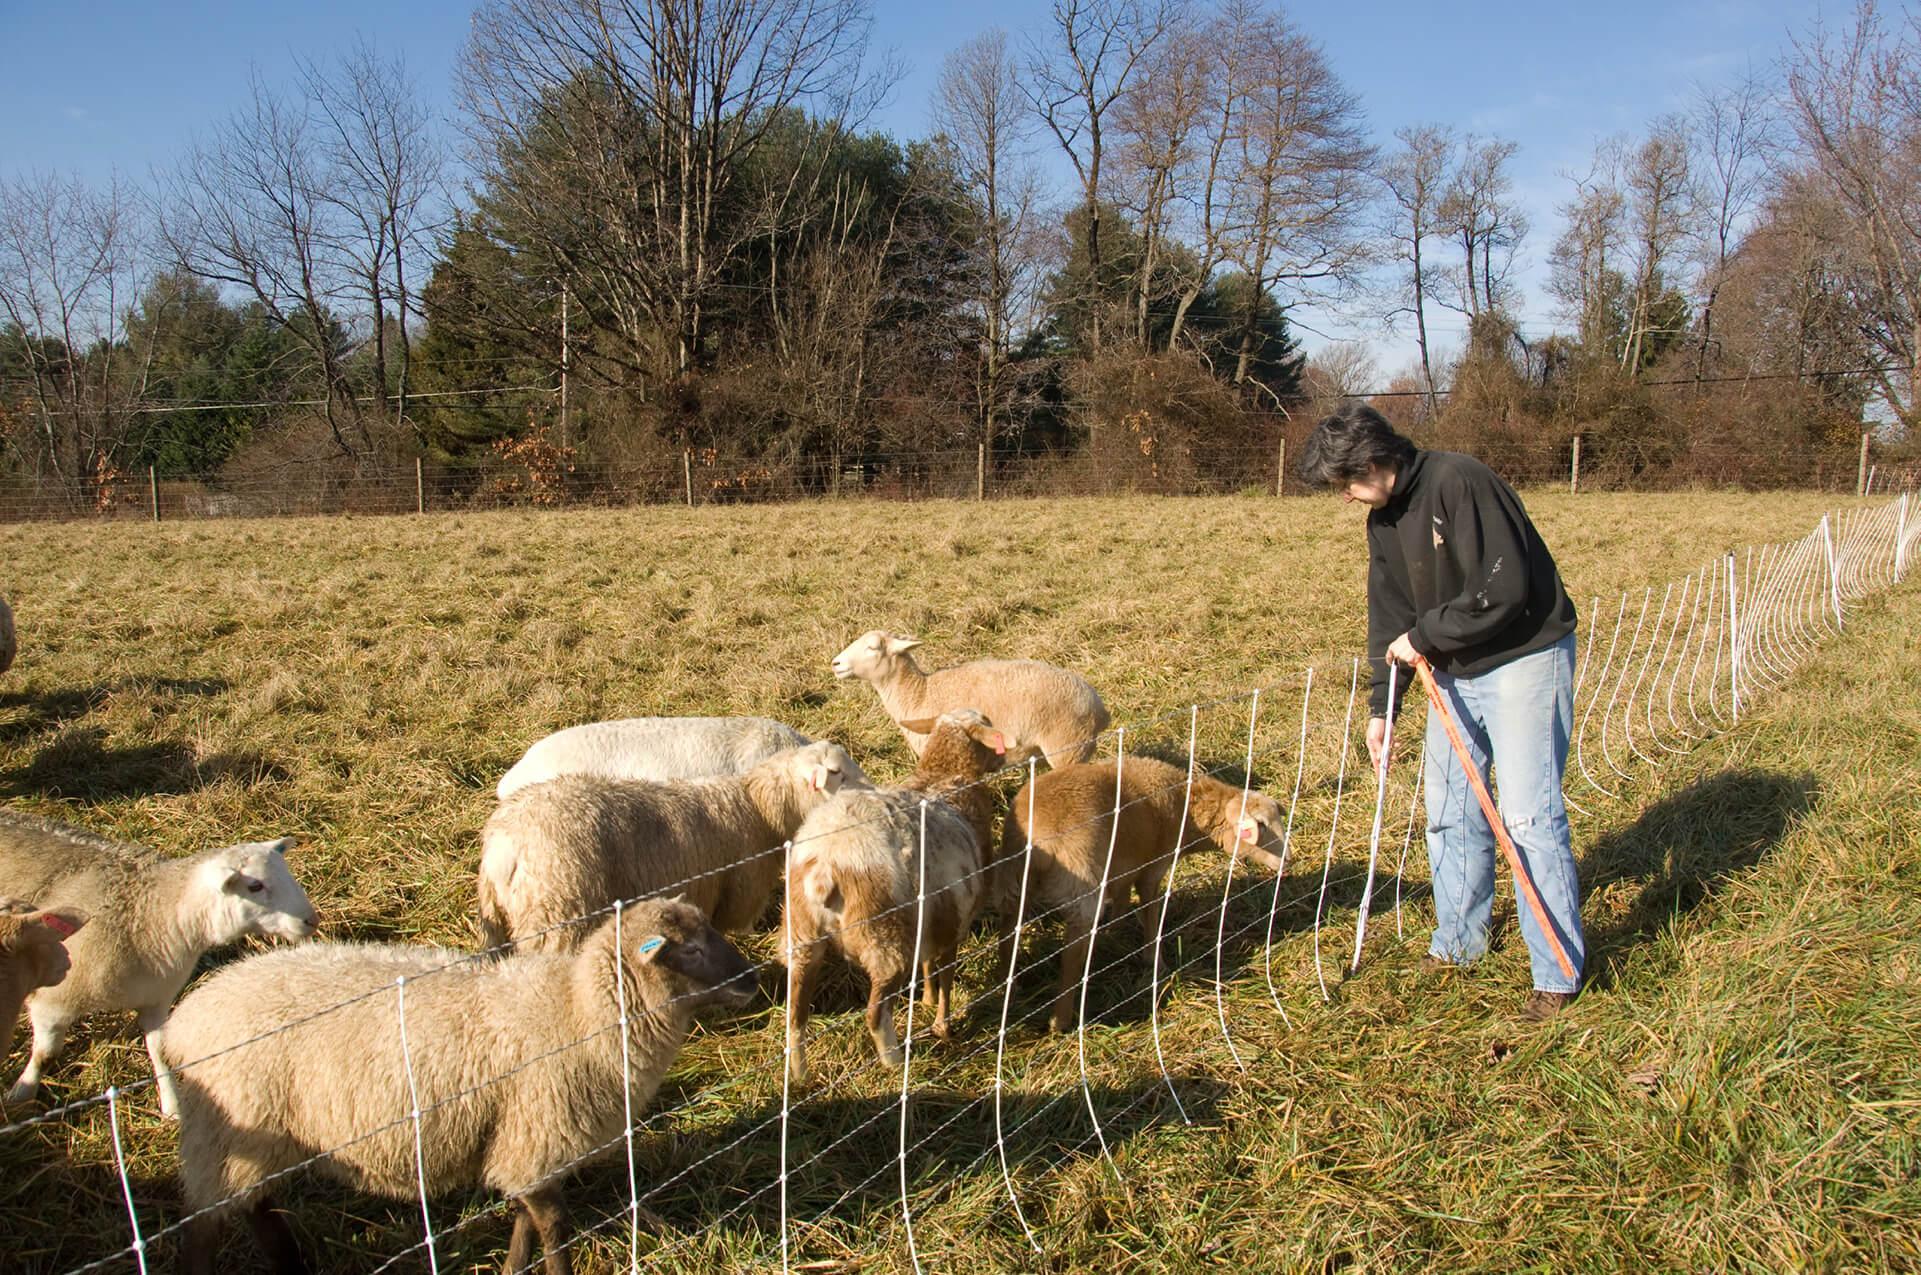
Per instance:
x=281, y=846
x=650, y=948
x=921, y=725
x=896, y=645
x=997, y=740
x=65, y=922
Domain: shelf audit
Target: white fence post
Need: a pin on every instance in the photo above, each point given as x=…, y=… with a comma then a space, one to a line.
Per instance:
x=1734, y=642
x=1901, y=539
x=1834, y=579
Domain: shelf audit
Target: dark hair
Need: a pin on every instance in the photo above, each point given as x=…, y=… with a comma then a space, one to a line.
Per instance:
x=1348, y=443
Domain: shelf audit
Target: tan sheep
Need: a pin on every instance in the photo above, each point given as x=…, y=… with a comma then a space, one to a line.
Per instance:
x=1055, y=712
x=32, y=956
x=9, y=644
x=517, y=1064
x=558, y=851
x=962, y=749
x=1073, y=822
x=151, y=919
x=854, y=884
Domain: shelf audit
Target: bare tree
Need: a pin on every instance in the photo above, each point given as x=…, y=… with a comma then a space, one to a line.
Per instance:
x=250, y=210
x=1660, y=211
x=69, y=257
x=1301, y=191
x=617, y=134
x=1733, y=134
x=1585, y=266
x=1476, y=212
x=1416, y=175
x=1155, y=124
x=1100, y=47
x=978, y=105
x=1854, y=102
x=383, y=181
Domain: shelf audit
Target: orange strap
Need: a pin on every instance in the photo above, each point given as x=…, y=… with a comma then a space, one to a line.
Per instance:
x=1522, y=884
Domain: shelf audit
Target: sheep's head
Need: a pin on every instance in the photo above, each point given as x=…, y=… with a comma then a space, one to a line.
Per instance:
x=33, y=949
x=258, y=894
x=991, y=744
x=871, y=654
x=1257, y=830
x=700, y=966
x=823, y=768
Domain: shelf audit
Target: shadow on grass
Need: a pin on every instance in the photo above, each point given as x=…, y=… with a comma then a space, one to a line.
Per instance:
x=710, y=1181
x=79, y=765
x=26, y=713
x=1684, y=848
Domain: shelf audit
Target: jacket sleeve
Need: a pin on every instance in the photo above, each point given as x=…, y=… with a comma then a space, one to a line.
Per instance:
x=1489, y=549
x=1390, y=613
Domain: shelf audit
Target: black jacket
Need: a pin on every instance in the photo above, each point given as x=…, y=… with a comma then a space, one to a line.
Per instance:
x=1454, y=561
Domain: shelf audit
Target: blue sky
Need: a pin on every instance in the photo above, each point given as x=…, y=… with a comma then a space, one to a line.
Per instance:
x=95, y=88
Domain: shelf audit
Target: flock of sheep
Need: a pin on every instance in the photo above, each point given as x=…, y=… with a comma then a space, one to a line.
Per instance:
x=618, y=857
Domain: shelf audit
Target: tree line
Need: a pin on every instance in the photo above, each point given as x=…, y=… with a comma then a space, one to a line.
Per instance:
x=677, y=229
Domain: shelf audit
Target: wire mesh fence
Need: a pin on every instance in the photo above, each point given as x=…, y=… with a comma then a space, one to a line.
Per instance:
x=697, y=477
x=608, y=1125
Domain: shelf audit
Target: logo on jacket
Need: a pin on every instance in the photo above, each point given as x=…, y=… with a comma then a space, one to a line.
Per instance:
x=1439, y=540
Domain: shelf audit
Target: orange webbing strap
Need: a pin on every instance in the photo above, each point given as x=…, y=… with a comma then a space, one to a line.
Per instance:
x=1522, y=884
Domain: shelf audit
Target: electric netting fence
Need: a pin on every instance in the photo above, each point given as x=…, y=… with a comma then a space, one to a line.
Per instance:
x=733, y=1165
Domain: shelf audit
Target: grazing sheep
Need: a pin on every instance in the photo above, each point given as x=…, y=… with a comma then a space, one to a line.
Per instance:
x=1073, y=822
x=653, y=748
x=9, y=644
x=854, y=886
x=150, y=921
x=1056, y=713
x=517, y=1066
x=557, y=851
x=31, y=956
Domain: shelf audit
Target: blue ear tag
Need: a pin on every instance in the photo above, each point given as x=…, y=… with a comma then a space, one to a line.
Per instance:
x=651, y=945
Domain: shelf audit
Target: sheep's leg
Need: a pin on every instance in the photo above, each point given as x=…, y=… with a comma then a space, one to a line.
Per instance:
x=49, y=1035
x=275, y=1238
x=198, y=1243
x=1073, y=966
x=881, y=994
x=942, y=979
x=544, y=1213
x=152, y=1020
x=803, y=976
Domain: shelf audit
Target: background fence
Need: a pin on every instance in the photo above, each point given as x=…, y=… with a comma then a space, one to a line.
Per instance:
x=798, y=1177
x=702, y=477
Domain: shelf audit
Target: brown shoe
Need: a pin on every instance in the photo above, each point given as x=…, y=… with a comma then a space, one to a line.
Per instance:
x=1541, y=1006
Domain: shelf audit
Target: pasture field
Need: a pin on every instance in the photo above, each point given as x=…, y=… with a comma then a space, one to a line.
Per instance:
x=1737, y=1089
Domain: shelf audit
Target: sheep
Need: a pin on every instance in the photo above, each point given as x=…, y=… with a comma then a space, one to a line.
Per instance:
x=653, y=748
x=560, y=850
x=151, y=919
x=854, y=885
x=31, y=956
x=1056, y=712
x=9, y=644
x=517, y=1064
x=1072, y=824
x=962, y=749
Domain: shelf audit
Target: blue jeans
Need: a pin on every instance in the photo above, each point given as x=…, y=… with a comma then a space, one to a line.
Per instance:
x=1520, y=713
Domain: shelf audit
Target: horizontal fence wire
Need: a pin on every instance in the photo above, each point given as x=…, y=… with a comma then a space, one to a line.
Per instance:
x=749, y=1168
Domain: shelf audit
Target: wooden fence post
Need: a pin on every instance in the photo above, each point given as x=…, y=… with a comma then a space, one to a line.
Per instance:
x=153, y=492
x=1861, y=471
x=980, y=474
x=1280, y=468
x=420, y=488
x=1574, y=469
x=687, y=474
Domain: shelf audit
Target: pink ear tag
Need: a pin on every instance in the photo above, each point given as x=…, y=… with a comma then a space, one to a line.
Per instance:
x=60, y=925
x=1000, y=745
x=1247, y=832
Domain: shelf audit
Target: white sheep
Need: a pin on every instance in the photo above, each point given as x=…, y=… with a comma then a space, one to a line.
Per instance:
x=9, y=644
x=32, y=955
x=517, y=1064
x=855, y=887
x=556, y=852
x=1073, y=825
x=150, y=919
x=855, y=880
x=655, y=748
x=1056, y=713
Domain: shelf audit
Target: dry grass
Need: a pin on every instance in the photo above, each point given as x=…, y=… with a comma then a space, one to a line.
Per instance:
x=1737, y=1091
